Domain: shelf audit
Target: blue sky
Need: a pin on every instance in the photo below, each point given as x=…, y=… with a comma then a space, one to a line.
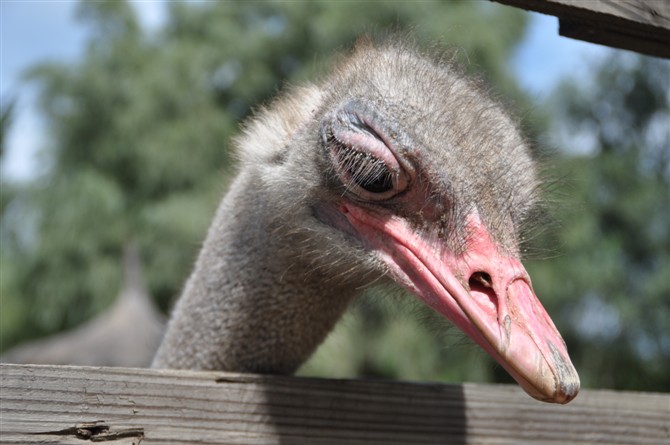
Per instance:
x=32, y=31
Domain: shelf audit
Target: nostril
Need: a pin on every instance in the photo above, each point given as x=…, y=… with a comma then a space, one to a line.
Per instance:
x=481, y=278
x=481, y=289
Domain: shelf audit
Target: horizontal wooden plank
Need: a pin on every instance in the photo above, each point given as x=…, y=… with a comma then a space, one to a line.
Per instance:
x=71, y=405
x=638, y=25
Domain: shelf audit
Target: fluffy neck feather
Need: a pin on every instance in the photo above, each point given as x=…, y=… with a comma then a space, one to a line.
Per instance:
x=254, y=301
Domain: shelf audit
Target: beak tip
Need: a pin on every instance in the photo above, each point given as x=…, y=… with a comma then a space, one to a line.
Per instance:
x=555, y=392
x=567, y=380
x=554, y=380
x=569, y=391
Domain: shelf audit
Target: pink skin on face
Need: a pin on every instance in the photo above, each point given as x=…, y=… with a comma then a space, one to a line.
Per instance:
x=485, y=293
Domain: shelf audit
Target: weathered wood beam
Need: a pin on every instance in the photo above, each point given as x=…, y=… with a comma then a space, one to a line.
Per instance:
x=72, y=405
x=637, y=25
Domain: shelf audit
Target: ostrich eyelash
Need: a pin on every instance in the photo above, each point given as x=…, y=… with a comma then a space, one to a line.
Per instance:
x=367, y=171
x=361, y=168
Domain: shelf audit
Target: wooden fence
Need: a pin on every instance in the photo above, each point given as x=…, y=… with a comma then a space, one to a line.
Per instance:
x=73, y=405
x=636, y=25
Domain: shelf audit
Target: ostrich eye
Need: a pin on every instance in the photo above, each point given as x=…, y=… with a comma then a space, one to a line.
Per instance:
x=366, y=171
x=362, y=156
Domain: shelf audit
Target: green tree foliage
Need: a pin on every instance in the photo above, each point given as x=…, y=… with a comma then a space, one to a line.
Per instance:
x=6, y=112
x=610, y=285
x=6, y=115
x=124, y=153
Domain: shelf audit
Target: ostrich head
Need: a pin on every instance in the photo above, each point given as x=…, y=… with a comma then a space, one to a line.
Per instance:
x=396, y=167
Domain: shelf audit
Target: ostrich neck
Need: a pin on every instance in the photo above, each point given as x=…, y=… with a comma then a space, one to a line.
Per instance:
x=251, y=303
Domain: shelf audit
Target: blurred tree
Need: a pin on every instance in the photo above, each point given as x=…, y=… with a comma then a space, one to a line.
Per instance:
x=7, y=194
x=132, y=155
x=138, y=149
x=6, y=114
x=610, y=287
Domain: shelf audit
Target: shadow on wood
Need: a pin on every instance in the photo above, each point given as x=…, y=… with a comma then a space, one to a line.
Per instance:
x=66, y=405
x=317, y=411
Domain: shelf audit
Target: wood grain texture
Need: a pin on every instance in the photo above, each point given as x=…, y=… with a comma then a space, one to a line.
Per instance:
x=73, y=405
x=637, y=25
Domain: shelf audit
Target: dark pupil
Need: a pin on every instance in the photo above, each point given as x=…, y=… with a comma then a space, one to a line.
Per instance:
x=382, y=182
x=368, y=172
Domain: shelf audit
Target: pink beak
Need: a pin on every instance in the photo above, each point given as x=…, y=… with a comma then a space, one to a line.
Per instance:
x=485, y=293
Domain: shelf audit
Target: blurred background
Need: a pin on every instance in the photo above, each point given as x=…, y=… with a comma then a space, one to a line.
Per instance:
x=116, y=119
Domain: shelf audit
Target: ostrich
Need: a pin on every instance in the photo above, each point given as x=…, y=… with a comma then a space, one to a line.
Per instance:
x=394, y=169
